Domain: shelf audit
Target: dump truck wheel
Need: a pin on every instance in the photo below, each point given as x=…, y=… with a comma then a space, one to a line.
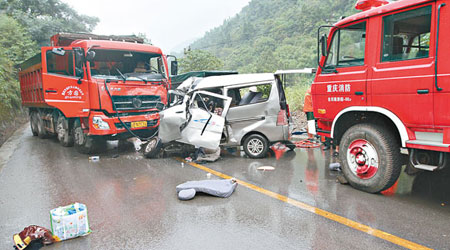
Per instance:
x=86, y=144
x=152, y=148
x=370, y=157
x=256, y=146
x=33, y=124
x=42, y=132
x=62, y=129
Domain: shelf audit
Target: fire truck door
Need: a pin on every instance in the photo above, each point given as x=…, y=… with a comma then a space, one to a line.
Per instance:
x=403, y=76
x=62, y=86
x=342, y=83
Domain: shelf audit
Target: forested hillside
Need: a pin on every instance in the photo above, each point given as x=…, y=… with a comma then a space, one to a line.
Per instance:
x=268, y=35
x=25, y=26
x=273, y=34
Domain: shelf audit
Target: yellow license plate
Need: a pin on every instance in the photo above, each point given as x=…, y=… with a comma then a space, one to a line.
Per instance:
x=141, y=124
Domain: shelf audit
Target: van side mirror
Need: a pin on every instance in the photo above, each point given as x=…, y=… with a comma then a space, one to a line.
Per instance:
x=323, y=45
x=174, y=68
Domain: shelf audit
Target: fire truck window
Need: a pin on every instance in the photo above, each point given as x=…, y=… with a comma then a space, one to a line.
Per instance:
x=407, y=35
x=347, y=47
x=61, y=65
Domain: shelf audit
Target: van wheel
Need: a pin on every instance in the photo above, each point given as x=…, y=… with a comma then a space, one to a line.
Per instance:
x=62, y=129
x=42, y=131
x=33, y=123
x=86, y=144
x=370, y=157
x=152, y=148
x=256, y=146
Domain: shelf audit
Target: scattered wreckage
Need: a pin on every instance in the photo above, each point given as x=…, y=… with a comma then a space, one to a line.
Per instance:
x=248, y=110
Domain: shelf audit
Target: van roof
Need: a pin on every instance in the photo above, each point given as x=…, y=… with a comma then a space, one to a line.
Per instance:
x=230, y=80
x=381, y=10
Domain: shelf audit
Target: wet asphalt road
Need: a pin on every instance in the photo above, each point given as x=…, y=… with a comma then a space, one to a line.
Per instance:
x=132, y=203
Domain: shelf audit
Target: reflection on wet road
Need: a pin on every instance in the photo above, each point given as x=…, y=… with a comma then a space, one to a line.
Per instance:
x=132, y=202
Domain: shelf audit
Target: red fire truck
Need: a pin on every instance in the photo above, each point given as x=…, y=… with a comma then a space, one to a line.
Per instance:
x=87, y=89
x=383, y=89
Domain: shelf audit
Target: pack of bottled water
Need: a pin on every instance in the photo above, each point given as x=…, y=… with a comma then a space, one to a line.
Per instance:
x=70, y=221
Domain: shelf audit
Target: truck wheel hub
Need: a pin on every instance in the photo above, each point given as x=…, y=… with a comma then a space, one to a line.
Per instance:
x=362, y=159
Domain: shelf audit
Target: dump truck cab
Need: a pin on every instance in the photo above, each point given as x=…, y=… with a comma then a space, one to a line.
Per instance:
x=88, y=87
x=382, y=88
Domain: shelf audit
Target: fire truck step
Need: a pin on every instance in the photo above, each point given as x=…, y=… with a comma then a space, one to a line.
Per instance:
x=428, y=143
x=426, y=167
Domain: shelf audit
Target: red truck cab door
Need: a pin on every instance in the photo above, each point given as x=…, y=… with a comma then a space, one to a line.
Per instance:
x=403, y=75
x=63, y=89
x=342, y=81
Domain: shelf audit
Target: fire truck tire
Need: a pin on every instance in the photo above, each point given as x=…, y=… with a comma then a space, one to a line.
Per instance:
x=65, y=138
x=42, y=131
x=33, y=123
x=370, y=157
x=86, y=144
x=256, y=146
x=152, y=148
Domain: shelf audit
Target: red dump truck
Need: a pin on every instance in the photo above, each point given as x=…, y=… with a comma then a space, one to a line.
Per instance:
x=87, y=89
x=383, y=89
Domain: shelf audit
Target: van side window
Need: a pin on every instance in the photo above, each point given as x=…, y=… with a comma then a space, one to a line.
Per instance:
x=249, y=95
x=406, y=35
x=62, y=65
x=348, y=47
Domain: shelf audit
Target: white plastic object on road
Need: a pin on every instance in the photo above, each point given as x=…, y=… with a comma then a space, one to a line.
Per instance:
x=94, y=158
x=70, y=221
x=266, y=168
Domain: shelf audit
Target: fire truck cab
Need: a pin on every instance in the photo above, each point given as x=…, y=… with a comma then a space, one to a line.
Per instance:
x=383, y=88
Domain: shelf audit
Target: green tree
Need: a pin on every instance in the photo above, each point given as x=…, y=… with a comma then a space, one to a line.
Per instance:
x=15, y=43
x=44, y=18
x=196, y=60
x=15, y=46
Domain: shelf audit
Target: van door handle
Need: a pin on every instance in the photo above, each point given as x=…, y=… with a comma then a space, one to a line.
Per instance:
x=50, y=91
x=423, y=91
x=359, y=93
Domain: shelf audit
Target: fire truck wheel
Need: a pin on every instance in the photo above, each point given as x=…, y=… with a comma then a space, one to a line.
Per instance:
x=33, y=123
x=152, y=148
x=256, y=146
x=62, y=129
x=42, y=132
x=370, y=157
x=86, y=144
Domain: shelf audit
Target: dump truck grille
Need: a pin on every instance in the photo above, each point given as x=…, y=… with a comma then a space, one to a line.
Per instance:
x=138, y=102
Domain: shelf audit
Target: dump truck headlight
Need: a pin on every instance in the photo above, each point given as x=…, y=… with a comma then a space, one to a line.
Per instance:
x=98, y=123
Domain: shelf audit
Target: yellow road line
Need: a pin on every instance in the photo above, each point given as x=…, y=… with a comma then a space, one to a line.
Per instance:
x=334, y=217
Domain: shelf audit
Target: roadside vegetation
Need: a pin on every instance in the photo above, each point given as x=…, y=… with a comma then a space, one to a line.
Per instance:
x=25, y=26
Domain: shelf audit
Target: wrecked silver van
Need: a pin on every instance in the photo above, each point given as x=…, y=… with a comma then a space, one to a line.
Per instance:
x=248, y=110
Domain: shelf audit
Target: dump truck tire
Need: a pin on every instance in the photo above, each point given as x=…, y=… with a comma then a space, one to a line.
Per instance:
x=33, y=123
x=65, y=137
x=86, y=144
x=42, y=131
x=370, y=157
